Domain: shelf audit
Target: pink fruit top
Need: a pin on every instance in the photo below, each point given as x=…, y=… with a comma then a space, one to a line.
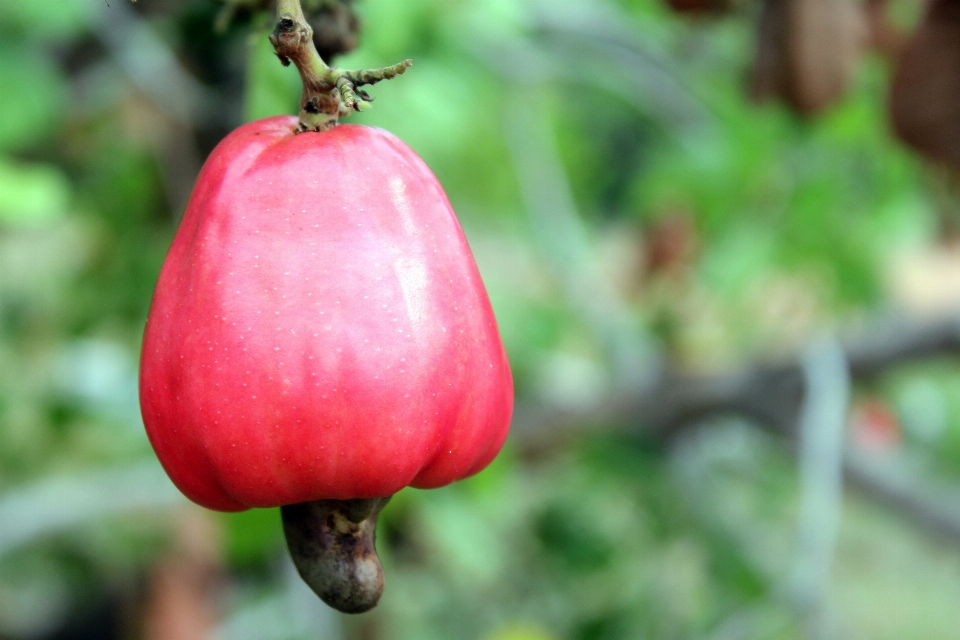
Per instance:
x=319, y=329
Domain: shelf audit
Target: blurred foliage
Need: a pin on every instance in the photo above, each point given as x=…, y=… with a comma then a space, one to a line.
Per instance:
x=785, y=226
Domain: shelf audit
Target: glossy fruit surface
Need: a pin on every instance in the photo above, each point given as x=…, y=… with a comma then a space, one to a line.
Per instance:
x=319, y=329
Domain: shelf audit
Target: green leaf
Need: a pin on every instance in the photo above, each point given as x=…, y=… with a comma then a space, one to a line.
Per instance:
x=32, y=97
x=31, y=195
x=69, y=17
x=253, y=536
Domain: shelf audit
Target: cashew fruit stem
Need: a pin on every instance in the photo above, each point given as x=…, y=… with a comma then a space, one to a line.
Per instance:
x=328, y=92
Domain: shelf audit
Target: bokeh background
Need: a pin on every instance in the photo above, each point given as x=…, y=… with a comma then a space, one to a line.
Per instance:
x=729, y=292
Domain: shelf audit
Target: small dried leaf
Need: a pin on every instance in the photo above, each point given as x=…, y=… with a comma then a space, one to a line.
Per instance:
x=335, y=27
x=925, y=97
x=672, y=243
x=808, y=51
x=701, y=7
x=885, y=38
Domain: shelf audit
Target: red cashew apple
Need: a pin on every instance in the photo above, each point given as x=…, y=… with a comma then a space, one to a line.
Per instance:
x=319, y=339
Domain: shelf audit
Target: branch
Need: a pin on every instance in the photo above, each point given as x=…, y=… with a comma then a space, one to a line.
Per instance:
x=772, y=396
x=935, y=507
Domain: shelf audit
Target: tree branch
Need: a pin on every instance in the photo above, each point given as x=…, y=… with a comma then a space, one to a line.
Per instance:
x=772, y=395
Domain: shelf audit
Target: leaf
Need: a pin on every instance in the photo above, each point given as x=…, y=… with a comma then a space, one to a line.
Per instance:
x=70, y=17
x=31, y=97
x=925, y=96
x=31, y=195
x=808, y=52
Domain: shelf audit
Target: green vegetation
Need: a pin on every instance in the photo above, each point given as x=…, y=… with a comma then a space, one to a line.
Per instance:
x=725, y=231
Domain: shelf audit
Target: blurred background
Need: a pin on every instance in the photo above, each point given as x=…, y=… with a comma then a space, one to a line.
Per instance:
x=722, y=240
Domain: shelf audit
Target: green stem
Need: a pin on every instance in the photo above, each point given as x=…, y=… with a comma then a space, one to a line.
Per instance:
x=328, y=92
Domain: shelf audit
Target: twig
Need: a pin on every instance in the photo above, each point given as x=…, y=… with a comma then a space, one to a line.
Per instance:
x=821, y=430
x=328, y=92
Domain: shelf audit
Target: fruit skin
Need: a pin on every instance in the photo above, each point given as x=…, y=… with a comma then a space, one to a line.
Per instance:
x=319, y=329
